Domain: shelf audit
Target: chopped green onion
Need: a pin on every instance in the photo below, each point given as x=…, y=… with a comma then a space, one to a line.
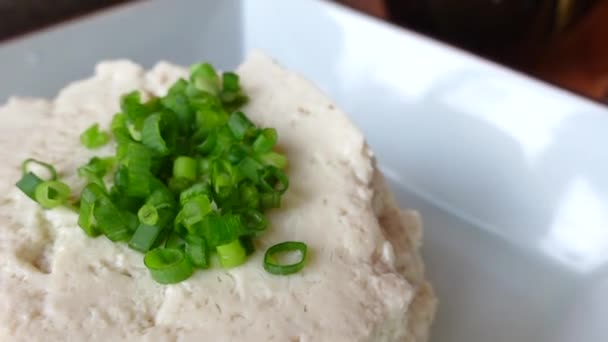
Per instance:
x=208, y=144
x=204, y=167
x=230, y=82
x=161, y=197
x=135, y=129
x=144, y=237
x=205, y=78
x=137, y=161
x=115, y=224
x=270, y=200
x=273, y=179
x=249, y=195
x=51, y=172
x=208, y=119
x=273, y=159
x=222, y=178
x=51, y=194
x=232, y=96
x=92, y=137
x=225, y=139
x=96, y=169
x=191, y=175
x=253, y=221
x=272, y=265
x=177, y=101
x=86, y=219
x=148, y=214
x=168, y=265
x=265, y=140
x=152, y=134
x=121, y=179
x=197, y=251
x=239, y=125
x=251, y=169
x=28, y=184
x=231, y=254
x=88, y=199
x=194, y=210
x=218, y=229
x=195, y=190
x=185, y=167
x=236, y=153
x=131, y=106
x=119, y=129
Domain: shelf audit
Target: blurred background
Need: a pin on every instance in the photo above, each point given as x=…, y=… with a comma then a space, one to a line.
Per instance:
x=559, y=41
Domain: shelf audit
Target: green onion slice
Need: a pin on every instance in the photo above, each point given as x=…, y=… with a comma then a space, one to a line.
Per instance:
x=148, y=214
x=223, y=176
x=96, y=169
x=232, y=254
x=230, y=82
x=144, y=237
x=168, y=265
x=177, y=101
x=249, y=195
x=197, y=251
x=270, y=200
x=205, y=78
x=218, y=229
x=51, y=194
x=198, y=189
x=253, y=221
x=251, y=169
x=265, y=140
x=86, y=217
x=193, y=211
x=274, y=179
x=157, y=134
x=239, y=125
x=50, y=169
x=92, y=137
x=137, y=162
x=273, y=159
x=272, y=265
x=131, y=106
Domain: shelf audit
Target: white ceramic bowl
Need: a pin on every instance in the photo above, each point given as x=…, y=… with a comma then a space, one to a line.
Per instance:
x=511, y=175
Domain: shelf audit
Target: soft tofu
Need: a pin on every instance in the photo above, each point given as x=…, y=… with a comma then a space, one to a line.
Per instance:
x=364, y=280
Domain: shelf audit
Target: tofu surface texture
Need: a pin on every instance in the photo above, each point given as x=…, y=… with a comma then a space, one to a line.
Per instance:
x=364, y=278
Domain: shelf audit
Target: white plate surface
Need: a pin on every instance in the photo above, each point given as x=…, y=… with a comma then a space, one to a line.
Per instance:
x=511, y=175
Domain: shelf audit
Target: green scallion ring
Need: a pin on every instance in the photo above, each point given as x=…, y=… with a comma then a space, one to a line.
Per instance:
x=168, y=265
x=148, y=214
x=232, y=254
x=51, y=194
x=274, y=267
x=50, y=168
